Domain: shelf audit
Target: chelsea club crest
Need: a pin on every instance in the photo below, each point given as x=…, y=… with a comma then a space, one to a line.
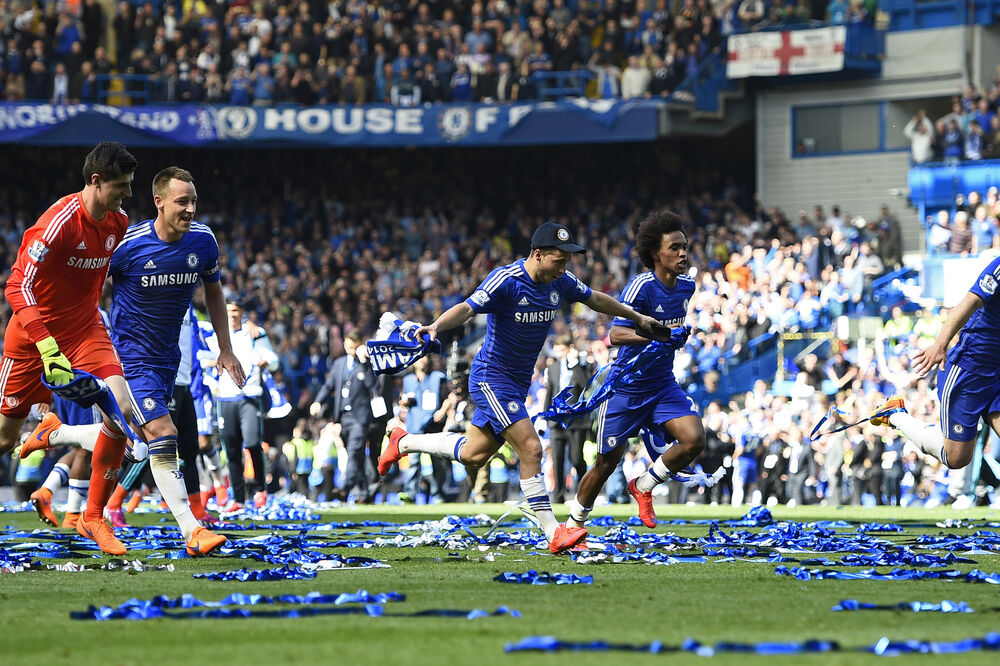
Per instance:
x=235, y=122
x=192, y=260
x=454, y=123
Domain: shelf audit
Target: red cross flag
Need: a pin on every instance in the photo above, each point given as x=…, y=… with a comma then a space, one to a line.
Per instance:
x=784, y=53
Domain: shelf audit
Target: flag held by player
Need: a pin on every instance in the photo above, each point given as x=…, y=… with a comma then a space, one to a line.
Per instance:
x=86, y=390
x=396, y=347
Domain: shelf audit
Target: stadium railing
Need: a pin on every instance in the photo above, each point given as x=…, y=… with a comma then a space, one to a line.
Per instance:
x=890, y=289
x=921, y=14
x=704, y=87
x=136, y=88
x=557, y=85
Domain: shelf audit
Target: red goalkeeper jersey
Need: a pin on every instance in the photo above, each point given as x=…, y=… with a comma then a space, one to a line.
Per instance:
x=61, y=267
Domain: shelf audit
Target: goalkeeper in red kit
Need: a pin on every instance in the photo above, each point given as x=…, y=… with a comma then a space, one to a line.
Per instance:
x=54, y=289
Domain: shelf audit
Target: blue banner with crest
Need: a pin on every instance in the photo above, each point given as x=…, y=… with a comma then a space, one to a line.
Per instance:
x=373, y=125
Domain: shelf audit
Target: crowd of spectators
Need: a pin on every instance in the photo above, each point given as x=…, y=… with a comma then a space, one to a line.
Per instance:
x=969, y=131
x=969, y=228
x=404, y=52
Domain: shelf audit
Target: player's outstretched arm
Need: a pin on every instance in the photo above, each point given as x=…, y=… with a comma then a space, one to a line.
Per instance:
x=215, y=301
x=601, y=302
x=934, y=355
x=625, y=335
x=454, y=316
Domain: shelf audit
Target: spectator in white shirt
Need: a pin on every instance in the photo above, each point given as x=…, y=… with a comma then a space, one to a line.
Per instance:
x=635, y=79
x=920, y=132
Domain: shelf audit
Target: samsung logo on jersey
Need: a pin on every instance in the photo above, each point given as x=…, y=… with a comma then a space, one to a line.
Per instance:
x=168, y=279
x=672, y=322
x=87, y=262
x=534, y=317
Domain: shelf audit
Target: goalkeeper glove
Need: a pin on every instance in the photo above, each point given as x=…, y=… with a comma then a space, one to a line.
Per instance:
x=55, y=365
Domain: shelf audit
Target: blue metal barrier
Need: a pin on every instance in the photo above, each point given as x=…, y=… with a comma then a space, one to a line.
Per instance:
x=556, y=85
x=135, y=87
x=705, y=85
x=887, y=290
x=934, y=186
x=919, y=15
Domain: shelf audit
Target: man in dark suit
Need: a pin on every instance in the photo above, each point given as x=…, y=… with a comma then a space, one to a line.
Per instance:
x=385, y=397
x=505, y=83
x=568, y=369
x=350, y=387
x=800, y=486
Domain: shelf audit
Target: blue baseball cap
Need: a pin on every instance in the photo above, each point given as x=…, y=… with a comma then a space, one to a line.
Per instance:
x=555, y=235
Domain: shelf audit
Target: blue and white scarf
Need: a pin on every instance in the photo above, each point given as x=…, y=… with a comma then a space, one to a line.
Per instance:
x=604, y=384
x=396, y=347
x=86, y=390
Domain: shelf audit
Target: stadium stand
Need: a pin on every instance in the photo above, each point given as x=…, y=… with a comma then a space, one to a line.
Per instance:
x=351, y=52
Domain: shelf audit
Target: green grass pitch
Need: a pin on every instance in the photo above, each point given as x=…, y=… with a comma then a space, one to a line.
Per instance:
x=632, y=602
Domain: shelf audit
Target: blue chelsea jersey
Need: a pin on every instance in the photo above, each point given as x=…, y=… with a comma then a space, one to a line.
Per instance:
x=153, y=281
x=978, y=347
x=521, y=311
x=645, y=294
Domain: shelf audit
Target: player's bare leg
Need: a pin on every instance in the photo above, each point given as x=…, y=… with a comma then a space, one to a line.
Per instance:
x=10, y=432
x=590, y=486
x=690, y=435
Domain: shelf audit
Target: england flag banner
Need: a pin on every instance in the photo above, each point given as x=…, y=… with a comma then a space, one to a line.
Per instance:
x=786, y=53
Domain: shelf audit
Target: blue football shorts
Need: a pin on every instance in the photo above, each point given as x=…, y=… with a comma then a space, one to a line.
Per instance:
x=150, y=391
x=965, y=396
x=71, y=413
x=621, y=416
x=499, y=401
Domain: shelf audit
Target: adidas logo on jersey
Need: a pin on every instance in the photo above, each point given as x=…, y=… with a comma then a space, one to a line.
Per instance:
x=81, y=246
x=659, y=308
x=149, y=265
x=523, y=301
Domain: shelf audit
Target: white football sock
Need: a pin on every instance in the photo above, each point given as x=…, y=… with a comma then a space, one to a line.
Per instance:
x=170, y=481
x=444, y=444
x=78, y=489
x=57, y=478
x=653, y=476
x=533, y=489
x=81, y=436
x=738, y=492
x=578, y=513
x=927, y=436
